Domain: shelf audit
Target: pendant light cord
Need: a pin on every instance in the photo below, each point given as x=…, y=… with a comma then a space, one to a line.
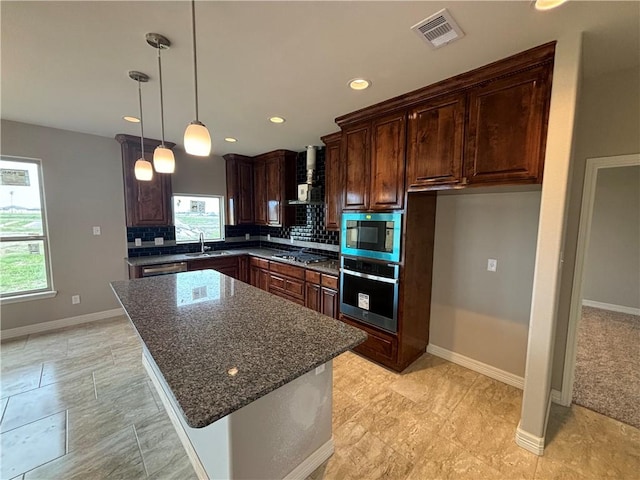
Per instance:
x=141, y=122
x=195, y=60
x=161, y=97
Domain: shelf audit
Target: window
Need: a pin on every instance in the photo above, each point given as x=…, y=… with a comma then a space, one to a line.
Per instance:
x=24, y=245
x=196, y=214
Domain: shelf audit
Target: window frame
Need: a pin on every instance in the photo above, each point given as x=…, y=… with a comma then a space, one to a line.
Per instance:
x=202, y=195
x=48, y=291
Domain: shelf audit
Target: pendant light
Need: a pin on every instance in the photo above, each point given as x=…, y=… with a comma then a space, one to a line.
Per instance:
x=143, y=169
x=163, y=159
x=197, y=140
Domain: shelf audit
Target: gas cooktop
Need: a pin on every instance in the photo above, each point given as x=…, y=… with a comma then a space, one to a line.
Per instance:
x=301, y=257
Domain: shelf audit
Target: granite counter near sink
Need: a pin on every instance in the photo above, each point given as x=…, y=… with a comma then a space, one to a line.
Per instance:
x=330, y=267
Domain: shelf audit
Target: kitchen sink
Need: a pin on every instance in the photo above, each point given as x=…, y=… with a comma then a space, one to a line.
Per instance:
x=207, y=254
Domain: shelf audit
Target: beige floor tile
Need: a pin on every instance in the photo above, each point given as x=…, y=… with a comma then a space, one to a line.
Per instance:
x=552, y=470
x=591, y=444
x=32, y=445
x=180, y=470
x=90, y=423
x=115, y=456
x=489, y=438
x=75, y=366
x=42, y=402
x=336, y=468
x=439, y=386
x=54, y=337
x=12, y=344
x=161, y=448
x=3, y=405
x=361, y=452
x=34, y=354
x=444, y=460
x=111, y=379
x=19, y=379
x=489, y=396
x=344, y=407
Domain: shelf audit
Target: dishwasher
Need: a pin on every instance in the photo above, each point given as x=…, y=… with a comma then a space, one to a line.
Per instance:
x=164, y=269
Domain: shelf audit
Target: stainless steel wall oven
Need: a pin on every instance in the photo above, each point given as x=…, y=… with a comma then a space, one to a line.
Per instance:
x=369, y=292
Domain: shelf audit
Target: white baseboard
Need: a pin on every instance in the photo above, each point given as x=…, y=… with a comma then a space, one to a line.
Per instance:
x=556, y=397
x=312, y=462
x=611, y=307
x=56, y=324
x=483, y=368
x=529, y=441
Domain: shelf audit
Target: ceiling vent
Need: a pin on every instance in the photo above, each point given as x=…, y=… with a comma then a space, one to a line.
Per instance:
x=439, y=29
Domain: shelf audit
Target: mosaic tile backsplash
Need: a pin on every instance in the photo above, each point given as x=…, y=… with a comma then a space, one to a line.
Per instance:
x=309, y=226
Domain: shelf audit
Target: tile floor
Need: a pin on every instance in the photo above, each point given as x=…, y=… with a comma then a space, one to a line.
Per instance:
x=76, y=403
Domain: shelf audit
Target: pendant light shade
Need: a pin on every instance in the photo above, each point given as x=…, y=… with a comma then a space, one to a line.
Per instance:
x=163, y=159
x=197, y=140
x=142, y=169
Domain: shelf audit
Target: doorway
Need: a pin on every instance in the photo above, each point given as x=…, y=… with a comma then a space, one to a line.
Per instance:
x=604, y=321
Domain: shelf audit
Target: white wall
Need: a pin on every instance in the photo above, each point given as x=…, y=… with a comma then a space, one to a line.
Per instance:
x=479, y=314
x=83, y=187
x=608, y=124
x=612, y=262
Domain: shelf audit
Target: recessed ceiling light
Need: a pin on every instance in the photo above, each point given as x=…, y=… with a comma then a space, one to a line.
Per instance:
x=277, y=120
x=548, y=4
x=359, y=84
x=131, y=119
x=230, y=139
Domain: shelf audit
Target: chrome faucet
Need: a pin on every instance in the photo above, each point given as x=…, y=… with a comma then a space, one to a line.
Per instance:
x=202, y=247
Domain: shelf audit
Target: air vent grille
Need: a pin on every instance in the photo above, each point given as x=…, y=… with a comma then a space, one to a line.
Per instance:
x=439, y=29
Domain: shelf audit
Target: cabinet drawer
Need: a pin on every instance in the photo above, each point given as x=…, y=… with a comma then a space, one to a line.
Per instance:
x=288, y=286
x=313, y=277
x=288, y=270
x=330, y=281
x=260, y=263
x=213, y=263
x=291, y=298
x=378, y=346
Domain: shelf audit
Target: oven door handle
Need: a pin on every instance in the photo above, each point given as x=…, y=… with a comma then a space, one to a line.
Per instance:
x=393, y=281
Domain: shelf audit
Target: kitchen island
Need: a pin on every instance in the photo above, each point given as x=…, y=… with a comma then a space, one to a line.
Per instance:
x=245, y=376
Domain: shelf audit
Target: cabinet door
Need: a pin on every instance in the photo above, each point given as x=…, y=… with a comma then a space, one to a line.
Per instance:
x=333, y=181
x=275, y=187
x=312, y=297
x=388, y=139
x=260, y=192
x=435, y=143
x=243, y=269
x=507, y=128
x=147, y=203
x=263, y=280
x=245, y=209
x=329, y=302
x=355, y=154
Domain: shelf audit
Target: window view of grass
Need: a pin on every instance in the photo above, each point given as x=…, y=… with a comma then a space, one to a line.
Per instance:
x=194, y=215
x=22, y=266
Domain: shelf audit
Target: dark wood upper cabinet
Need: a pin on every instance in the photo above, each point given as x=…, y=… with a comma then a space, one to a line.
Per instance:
x=274, y=183
x=333, y=181
x=146, y=203
x=240, y=203
x=507, y=128
x=388, y=140
x=435, y=143
x=260, y=191
x=356, y=162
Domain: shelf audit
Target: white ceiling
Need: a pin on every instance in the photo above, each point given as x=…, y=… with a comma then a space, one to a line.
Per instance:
x=65, y=64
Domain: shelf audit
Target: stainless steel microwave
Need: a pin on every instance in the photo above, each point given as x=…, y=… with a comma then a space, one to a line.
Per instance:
x=371, y=235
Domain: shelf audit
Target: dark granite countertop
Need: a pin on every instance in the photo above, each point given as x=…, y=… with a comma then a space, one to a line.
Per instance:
x=199, y=325
x=330, y=267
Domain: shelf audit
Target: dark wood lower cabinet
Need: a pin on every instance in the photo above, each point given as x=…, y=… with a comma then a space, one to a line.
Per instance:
x=329, y=299
x=227, y=265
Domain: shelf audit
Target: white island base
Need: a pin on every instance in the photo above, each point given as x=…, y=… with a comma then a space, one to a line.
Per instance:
x=285, y=434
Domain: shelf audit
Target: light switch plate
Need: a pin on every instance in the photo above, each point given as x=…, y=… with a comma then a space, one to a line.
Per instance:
x=492, y=265
x=159, y=241
x=96, y=230
x=138, y=242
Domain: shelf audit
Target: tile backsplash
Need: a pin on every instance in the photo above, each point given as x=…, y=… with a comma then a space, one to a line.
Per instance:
x=309, y=227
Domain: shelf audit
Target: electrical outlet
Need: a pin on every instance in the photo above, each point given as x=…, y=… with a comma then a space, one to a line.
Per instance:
x=292, y=240
x=268, y=237
x=247, y=236
x=138, y=242
x=492, y=265
x=96, y=230
x=159, y=241
x=75, y=299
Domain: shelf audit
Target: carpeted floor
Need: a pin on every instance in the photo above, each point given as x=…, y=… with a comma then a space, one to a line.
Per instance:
x=607, y=375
